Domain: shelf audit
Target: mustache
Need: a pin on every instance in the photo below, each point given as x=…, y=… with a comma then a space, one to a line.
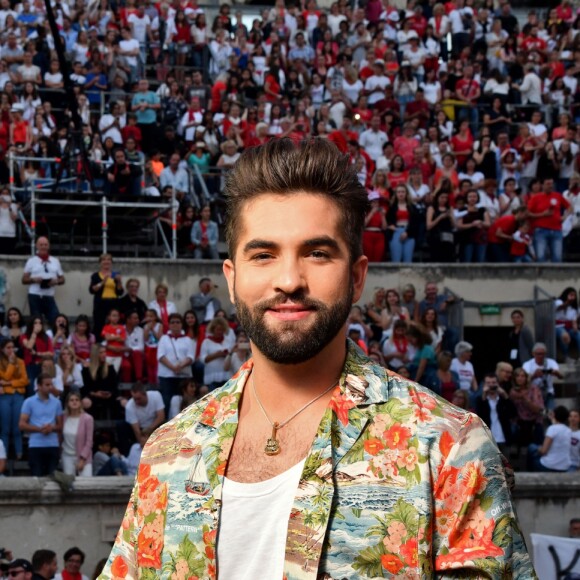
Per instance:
x=284, y=298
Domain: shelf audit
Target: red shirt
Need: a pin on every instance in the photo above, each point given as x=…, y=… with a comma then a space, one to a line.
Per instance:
x=506, y=223
x=543, y=201
x=120, y=336
x=468, y=89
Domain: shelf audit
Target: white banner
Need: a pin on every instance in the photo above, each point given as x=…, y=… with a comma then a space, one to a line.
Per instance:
x=556, y=558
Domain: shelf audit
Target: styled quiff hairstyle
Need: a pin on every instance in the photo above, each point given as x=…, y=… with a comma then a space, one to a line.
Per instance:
x=285, y=167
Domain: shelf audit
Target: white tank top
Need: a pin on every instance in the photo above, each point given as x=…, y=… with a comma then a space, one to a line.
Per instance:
x=254, y=525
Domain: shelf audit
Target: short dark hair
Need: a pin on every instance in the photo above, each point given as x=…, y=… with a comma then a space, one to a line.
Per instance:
x=175, y=316
x=561, y=414
x=74, y=551
x=285, y=167
x=42, y=377
x=138, y=387
x=42, y=557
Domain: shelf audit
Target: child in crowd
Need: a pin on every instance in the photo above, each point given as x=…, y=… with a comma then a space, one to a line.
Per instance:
x=115, y=336
x=82, y=339
x=521, y=248
x=107, y=460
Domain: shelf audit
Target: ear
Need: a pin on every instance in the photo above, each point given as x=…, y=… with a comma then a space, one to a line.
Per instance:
x=230, y=274
x=359, y=276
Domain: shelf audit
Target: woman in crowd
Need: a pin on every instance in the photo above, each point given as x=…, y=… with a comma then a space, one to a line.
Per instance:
x=431, y=325
x=214, y=351
x=567, y=313
x=81, y=339
x=393, y=310
x=106, y=287
x=397, y=350
x=100, y=385
x=195, y=331
x=59, y=334
x=152, y=333
x=554, y=453
x=36, y=346
x=175, y=355
x=13, y=382
x=77, y=438
x=373, y=312
x=424, y=362
x=375, y=228
x=440, y=228
x=402, y=222
x=529, y=405
x=163, y=307
x=14, y=328
x=183, y=400
x=71, y=371
x=474, y=225
x=444, y=381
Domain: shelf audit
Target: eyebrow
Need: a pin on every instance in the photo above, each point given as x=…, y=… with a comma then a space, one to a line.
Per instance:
x=321, y=241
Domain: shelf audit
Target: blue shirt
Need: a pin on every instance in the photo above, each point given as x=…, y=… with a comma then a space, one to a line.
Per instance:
x=42, y=412
x=148, y=116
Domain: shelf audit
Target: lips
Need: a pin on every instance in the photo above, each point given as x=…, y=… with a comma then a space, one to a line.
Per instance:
x=290, y=311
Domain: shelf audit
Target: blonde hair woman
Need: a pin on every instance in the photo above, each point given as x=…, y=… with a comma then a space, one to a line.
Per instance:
x=77, y=438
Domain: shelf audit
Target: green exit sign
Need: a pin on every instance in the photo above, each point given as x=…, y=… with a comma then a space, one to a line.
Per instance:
x=487, y=309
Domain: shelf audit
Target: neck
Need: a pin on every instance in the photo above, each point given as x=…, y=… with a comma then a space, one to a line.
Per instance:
x=280, y=382
x=74, y=412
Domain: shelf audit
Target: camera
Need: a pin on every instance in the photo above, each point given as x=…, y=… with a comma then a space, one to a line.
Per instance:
x=547, y=371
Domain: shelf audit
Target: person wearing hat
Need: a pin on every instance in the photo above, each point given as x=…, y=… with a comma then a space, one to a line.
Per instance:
x=376, y=83
x=20, y=569
x=461, y=364
x=199, y=155
x=375, y=228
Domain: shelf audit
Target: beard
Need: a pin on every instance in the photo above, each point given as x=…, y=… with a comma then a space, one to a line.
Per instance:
x=294, y=342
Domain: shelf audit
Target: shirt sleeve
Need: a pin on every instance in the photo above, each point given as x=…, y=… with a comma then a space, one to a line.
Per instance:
x=157, y=400
x=130, y=415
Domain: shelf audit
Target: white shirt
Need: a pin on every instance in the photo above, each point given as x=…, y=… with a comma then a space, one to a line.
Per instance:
x=558, y=456
x=575, y=449
x=213, y=371
x=495, y=426
x=113, y=132
x=262, y=511
x=144, y=416
x=47, y=270
x=175, y=350
x=531, y=89
x=465, y=372
x=372, y=142
x=531, y=366
x=135, y=340
x=139, y=26
x=129, y=46
x=376, y=82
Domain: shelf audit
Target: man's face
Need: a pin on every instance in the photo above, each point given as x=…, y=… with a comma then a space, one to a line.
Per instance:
x=174, y=161
x=291, y=278
x=133, y=289
x=42, y=246
x=73, y=564
x=431, y=290
x=575, y=530
x=548, y=185
x=120, y=157
x=539, y=356
x=196, y=78
x=19, y=574
x=140, y=399
x=504, y=374
x=205, y=286
x=490, y=383
x=53, y=567
x=44, y=387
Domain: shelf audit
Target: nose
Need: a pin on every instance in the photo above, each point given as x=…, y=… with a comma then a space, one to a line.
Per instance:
x=289, y=277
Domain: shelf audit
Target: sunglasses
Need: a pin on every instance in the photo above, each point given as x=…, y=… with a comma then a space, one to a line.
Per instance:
x=14, y=573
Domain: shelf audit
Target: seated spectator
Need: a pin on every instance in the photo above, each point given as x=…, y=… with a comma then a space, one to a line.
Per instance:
x=41, y=416
x=214, y=351
x=70, y=370
x=100, y=383
x=554, y=453
x=107, y=460
x=176, y=177
x=541, y=371
x=144, y=412
x=424, y=362
x=74, y=558
x=163, y=307
x=430, y=323
x=462, y=366
x=567, y=332
x=529, y=405
x=187, y=397
x=77, y=438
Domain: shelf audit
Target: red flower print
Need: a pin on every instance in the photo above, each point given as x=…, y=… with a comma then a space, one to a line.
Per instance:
x=148, y=487
x=373, y=446
x=144, y=472
x=423, y=399
x=473, y=477
x=341, y=404
x=149, y=550
x=119, y=568
x=410, y=552
x=391, y=563
x=445, y=444
x=211, y=410
x=209, y=537
x=221, y=468
x=397, y=436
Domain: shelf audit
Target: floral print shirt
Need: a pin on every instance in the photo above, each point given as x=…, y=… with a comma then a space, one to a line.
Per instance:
x=398, y=484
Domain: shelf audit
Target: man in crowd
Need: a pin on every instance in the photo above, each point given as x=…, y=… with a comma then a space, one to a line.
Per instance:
x=41, y=416
x=542, y=369
x=43, y=273
x=144, y=412
x=313, y=407
x=19, y=569
x=130, y=301
x=44, y=565
x=74, y=558
x=123, y=177
x=204, y=303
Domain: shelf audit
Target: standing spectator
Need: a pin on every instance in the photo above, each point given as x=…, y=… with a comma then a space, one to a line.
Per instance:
x=176, y=177
x=36, y=347
x=8, y=218
x=145, y=412
x=497, y=411
x=474, y=224
x=547, y=211
x=205, y=236
x=44, y=565
x=175, y=355
x=131, y=302
x=440, y=227
x=13, y=382
x=163, y=307
x=444, y=381
x=81, y=340
x=424, y=362
x=375, y=229
x=106, y=286
x=152, y=333
x=114, y=335
x=554, y=453
x=41, y=416
x=145, y=105
x=520, y=340
x=43, y=272
x=20, y=569
x=74, y=558
x=461, y=364
x=77, y=438
x=213, y=354
x=542, y=370
x=402, y=221
x=204, y=303
x=123, y=176
x=529, y=405
x=567, y=323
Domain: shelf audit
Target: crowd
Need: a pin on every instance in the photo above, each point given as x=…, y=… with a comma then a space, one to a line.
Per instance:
x=86, y=396
x=460, y=120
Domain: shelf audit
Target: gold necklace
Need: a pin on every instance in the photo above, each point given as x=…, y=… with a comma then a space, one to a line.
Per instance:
x=272, y=446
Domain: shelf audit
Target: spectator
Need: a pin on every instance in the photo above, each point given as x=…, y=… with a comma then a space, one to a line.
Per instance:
x=375, y=228
x=69, y=370
x=133, y=363
x=574, y=528
x=475, y=223
x=176, y=177
x=503, y=373
x=144, y=412
x=175, y=355
x=14, y=327
x=131, y=302
x=152, y=333
x=41, y=416
x=42, y=273
x=186, y=398
x=213, y=354
x=462, y=366
x=424, y=362
x=402, y=222
x=36, y=347
x=74, y=558
x=521, y=340
x=100, y=382
x=497, y=411
x=444, y=381
x=204, y=303
x=13, y=382
x=554, y=453
x=529, y=405
x=8, y=219
x=163, y=307
x=574, y=424
x=567, y=332
x=542, y=370
x=145, y=104
x=81, y=339
x=204, y=236
x=77, y=438
x=397, y=350
x=20, y=569
x=107, y=459
x=123, y=176
x=114, y=335
x=240, y=353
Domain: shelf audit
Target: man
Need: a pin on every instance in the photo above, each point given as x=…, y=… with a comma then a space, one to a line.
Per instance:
x=204, y=303
x=574, y=529
x=123, y=177
x=497, y=411
x=302, y=50
x=145, y=105
x=20, y=569
x=131, y=301
x=542, y=370
x=42, y=273
x=468, y=91
x=501, y=232
x=111, y=123
x=373, y=139
x=44, y=565
x=41, y=416
x=74, y=558
x=463, y=366
x=354, y=446
x=547, y=211
x=176, y=177
x=144, y=412
x=376, y=84
x=503, y=374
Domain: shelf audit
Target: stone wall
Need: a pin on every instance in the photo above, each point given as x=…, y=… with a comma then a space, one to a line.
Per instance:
x=34, y=513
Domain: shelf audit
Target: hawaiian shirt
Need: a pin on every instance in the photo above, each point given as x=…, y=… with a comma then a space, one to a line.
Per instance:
x=398, y=483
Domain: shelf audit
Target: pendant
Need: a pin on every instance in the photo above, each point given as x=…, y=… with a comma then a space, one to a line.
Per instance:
x=272, y=445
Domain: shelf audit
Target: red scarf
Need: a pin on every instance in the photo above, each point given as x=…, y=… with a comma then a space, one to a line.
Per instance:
x=68, y=576
x=164, y=316
x=401, y=344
